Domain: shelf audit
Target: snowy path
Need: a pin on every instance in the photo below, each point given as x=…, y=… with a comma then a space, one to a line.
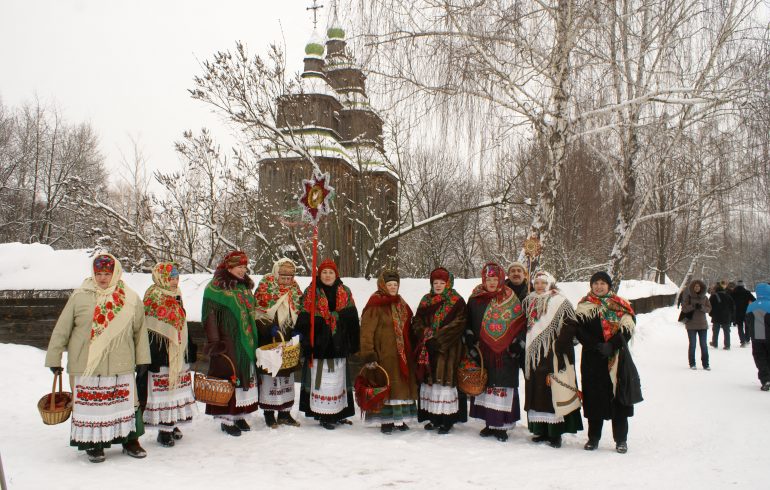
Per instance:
x=695, y=429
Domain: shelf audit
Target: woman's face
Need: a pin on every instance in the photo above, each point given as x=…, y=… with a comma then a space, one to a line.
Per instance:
x=696, y=288
x=103, y=279
x=600, y=288
x=491, y=284
x=439, y=286
x=392, y=287
x=238, y=271
x=285, y=278
x=328, y=277
x=540, y=286
x=173, y=281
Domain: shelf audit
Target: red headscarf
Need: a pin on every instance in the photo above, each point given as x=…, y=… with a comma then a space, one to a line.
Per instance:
x=234, y=259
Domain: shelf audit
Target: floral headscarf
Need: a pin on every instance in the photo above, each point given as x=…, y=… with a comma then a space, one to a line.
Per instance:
x=274, y=300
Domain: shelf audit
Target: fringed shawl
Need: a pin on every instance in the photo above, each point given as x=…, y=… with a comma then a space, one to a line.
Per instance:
x=232, y=301
x=437, y=310
x=546, y=314
x=281, y=304
x=503, y=320
x=166, y=318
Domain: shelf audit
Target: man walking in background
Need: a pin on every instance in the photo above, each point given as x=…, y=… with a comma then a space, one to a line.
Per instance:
x=722, y=315
x=742, y=298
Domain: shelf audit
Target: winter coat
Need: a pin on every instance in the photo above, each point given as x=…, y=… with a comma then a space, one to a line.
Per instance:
x=696, y=305
x=445, y=348
x=327, y=345
x=722, y=307
x=521, y=290
x=598, y=395
x=742, y=298
x=378, y=344
x=758, y=315
x=505, y=375
x=73, y=334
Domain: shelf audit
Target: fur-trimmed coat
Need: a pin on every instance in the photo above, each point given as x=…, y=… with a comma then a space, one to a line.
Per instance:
x=445, y=348
x=596, y=376
x=696, y=305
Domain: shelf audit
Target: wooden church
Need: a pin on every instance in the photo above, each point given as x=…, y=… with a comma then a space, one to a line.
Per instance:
x=329, y=116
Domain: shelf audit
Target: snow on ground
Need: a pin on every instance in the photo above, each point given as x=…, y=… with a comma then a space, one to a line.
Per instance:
x=35, y=266
x=695, y=429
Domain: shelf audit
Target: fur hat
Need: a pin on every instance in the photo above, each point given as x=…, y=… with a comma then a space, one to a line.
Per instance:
x=234, y=259
x=389, y=275
x=601, y=276
x=440, y=274
x=517, y=264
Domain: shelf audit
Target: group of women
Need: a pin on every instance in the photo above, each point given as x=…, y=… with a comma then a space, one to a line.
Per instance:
x=503, y=328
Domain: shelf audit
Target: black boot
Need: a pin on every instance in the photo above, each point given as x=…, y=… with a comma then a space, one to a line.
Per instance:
x=177, y=434
x=444, y=429
x=540, y=439
x=501, y=435
x=270, y=419
x=327, y=424
x=387, y=428
x=242, y=425
x=487, y=432
x=621, y=447
x=285, y=418
x=429, y=426
x=555, y=442
x=166, y=439
x=403, y=427
x=231, y=430
x=591, y=445
x=95, y=455
x=134, y=449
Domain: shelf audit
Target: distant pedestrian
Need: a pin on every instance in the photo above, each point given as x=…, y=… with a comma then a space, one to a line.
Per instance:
x=695, y=305
x=742, y=299
x=722, y=315
x=758, y=326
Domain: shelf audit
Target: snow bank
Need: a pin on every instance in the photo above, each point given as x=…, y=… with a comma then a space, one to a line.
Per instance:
x=695, y=430
x=38, y=266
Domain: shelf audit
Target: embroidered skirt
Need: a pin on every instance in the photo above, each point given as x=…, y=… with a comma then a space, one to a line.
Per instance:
x=243, y=402
x=393, y=412
x=552, y=425
x=441, y=405
x=169, y=405
x=276, y=393
x=327, y=391
x=498, y=407
x=103, y=409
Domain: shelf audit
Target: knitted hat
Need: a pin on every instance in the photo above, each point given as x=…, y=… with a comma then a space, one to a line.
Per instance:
x=104, y=263
x=328, y=264
x=390, y=275
x=601, y=276
x=517, y=264
x=440, y=274
x=234, y=259
x=740, y=283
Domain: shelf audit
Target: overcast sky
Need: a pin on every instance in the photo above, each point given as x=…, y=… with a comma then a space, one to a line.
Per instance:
x=125, y=66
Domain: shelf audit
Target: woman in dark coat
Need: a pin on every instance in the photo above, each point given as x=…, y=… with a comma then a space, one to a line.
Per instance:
x=496, y=327
x=327, y=387
x=231, y=333
x=604, y=322
x=437, y=330
x=695, y=305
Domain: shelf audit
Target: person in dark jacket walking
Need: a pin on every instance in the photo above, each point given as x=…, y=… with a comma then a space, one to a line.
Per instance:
x=758, y=327
x=604, y=322
x=722, y=315
x=695, y=305
x=742, y=299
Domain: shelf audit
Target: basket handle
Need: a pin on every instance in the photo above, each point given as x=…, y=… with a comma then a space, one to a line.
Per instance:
x=231, y=363
x=481, y=356
x=52, y=396
x=387, y=378
x=283, y=339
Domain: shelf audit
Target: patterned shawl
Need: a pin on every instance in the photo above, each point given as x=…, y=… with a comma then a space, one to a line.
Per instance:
x=546, y=314
x=401, y=316
x=166, y=318
x=438, y=310
x=112, y=315
x=276, y=302
x=503, y=317
x=232, y=301
x=343, y=300
x=612, y=310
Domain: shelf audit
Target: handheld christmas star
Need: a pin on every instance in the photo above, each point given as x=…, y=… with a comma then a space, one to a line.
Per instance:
x=315, y=199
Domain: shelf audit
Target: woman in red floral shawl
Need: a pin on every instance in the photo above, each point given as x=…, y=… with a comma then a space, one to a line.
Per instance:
x=327, y=385
x=496, y=328
x=385, y=324
x=437, y=333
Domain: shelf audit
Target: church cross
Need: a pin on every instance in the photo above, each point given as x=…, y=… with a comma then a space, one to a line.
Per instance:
x=315, y=8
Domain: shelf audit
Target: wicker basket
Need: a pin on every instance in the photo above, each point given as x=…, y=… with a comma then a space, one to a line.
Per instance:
x=371, y=398
x=472, y=382
x=214, y=391
x=290, y=354
x=55, y=407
